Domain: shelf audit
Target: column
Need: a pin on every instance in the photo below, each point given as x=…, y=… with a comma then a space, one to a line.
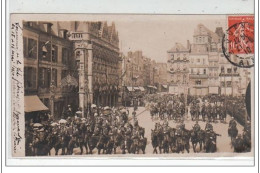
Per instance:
x=90, y=82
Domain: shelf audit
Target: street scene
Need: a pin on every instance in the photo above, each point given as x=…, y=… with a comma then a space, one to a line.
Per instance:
x=175, y=87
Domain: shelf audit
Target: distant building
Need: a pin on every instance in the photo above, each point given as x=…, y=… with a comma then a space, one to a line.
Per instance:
x=162, y=80
x=178, y=68
x=204, y=58
x=202, y=67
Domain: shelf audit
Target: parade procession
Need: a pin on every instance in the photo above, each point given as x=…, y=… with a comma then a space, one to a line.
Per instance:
x=89, y=92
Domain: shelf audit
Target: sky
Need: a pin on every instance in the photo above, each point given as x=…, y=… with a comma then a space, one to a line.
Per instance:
x=155, y=34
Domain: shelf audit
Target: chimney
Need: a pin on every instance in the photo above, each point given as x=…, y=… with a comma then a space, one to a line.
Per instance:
x=48, y=26
x=63, y=33
x=188, y=44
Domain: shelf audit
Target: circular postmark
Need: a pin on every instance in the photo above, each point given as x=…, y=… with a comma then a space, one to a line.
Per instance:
x=238, y=44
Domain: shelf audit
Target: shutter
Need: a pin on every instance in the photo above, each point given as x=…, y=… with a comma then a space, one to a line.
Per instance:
x=34, y=78
x=25, y=45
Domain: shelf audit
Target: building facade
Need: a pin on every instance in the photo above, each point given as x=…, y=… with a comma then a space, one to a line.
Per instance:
x=99, y=44
x=162, y=77
x=48, y=61
x=204, y=59
x=178, y=68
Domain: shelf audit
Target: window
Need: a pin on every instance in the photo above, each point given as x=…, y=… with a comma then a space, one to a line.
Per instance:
x=44, y=77
x=54, y=76
x=235, y=69
x=65, y=56
x=222, y=84
x=44, y=51
x=229, y=70
x=54, y=53
x=64, y=73
x=172, y=56
x=222, y=69
x=25, y=44
x=198, y=60
x=29, y=78
x=198, y=82
x=32, y=48
x=229, y=83
x=204, y=71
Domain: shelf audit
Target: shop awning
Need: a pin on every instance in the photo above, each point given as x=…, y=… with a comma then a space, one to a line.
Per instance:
x=164, y=86
x=154, y=87
x=142, y=88
x=33, y=103
x=130, y=89
x=136, y=88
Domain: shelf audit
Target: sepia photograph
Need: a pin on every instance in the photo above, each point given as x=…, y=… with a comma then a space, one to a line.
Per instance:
x=133, y=86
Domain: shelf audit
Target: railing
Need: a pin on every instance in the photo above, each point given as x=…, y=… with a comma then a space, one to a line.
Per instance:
x=198, y=76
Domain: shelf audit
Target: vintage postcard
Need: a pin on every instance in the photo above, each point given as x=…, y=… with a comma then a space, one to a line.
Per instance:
x=132, y=86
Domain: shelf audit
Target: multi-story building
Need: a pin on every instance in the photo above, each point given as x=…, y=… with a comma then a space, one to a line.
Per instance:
x=99, y=44
x=72, y=63
x=177, y=67
x=204, y=61
x=162, y=80
x=230, y=78
x=48, y=63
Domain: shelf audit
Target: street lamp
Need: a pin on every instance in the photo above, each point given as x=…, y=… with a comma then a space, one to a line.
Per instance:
x=52, y=84
x=52, y=93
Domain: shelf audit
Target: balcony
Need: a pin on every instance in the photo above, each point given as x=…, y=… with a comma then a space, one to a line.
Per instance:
x=198, y=76
x=229, y=74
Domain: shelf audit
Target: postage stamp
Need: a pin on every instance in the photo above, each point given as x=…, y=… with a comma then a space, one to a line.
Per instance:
x=239, y=40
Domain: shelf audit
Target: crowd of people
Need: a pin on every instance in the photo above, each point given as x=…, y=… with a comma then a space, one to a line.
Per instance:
x=109, y=130
x=105, y=129
x=209, y=108
x=177, y=140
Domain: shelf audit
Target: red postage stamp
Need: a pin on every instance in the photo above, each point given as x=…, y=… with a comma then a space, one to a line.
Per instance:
x=241, y=34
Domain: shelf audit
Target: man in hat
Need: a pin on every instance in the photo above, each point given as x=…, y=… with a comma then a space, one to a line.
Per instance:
x=232, y=123
x=238, y=144
x=208, y=126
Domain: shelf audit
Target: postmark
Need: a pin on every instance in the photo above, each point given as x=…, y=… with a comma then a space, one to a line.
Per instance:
x=238, y=41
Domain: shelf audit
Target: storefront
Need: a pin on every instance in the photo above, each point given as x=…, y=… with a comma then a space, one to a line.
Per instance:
x=34, y=109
